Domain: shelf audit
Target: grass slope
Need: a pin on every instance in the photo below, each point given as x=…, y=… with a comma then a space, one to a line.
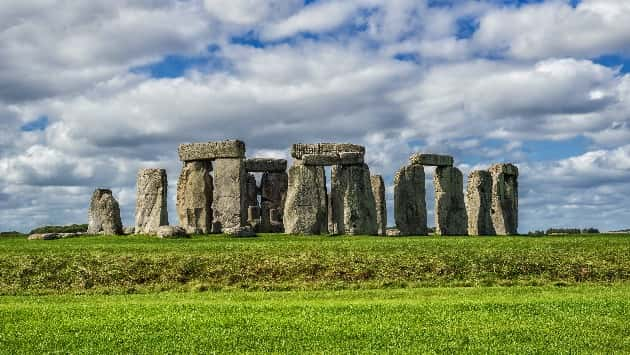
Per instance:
x=582, y=319
x=107, y=264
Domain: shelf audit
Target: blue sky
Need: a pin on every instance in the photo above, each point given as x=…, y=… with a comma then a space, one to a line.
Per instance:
x=91, y=92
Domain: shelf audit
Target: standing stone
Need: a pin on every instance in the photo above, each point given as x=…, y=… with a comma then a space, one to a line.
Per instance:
x=410, y=209
x=151, y=210
x=229, y=205
x=273, y=194
x=194, y=197
x=352, y=200
x=450, y=208
x=479, y=203
x=504, y=198
x=306, y=206
x=251, y=191
x=378, y=189
x=104, y=213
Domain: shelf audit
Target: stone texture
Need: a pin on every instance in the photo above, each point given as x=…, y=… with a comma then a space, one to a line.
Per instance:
x=104, y=213
x=273, y=193
x=326, y=159
x=194, y=197
x=450, y=208
x=229, y=205
x=431, y=159
x=479, y=203
x=410, y=209
x=352, y=201
x=240, y=231
x=151, y=197
x=251, y=191
x=44, y=236
x=306, y=207
x=504, y=198
x=378, y=189
x=300, y=149
x=171, y=232
x=263, y=165
x=212, y=150
x=393, y=232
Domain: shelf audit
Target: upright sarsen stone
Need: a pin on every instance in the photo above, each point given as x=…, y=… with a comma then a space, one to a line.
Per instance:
x=229, y=205
x=378, y=189
x=273, y=194
x=104, y=213
x=251, y=191
x=306, y=206
x=504, y=198
x=479, y=203
x=151, y=209
x=410, y=209
x=194, y=197
x=450, y=208
x=352, y=200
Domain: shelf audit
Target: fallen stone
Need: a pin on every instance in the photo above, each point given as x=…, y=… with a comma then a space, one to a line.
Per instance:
x=43, y=236
x=393, y=232
x=240, y=231
x=104, y=213
x=300, y=149
x=229, y=205
x=263, y=165
x=450, y=208
x=431, y=160
x=212, y=150
x=306, y=207
x=352, y=200
x=171, y=232
x=194, y=197
x=479, y=203
x=504, y=210
x=151, y=197
x=378, y=190
x=70, y=235
x=410, y=209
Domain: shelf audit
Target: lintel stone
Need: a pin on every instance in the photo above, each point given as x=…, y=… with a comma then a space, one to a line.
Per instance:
x=300, y=149
x=263, y=165
x=324, y=159
x=431, y=159
x=212, y=150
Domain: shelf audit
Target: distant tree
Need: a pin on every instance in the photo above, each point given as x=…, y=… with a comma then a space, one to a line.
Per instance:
x=10, y=234
x=73, y=228
x=590, y=231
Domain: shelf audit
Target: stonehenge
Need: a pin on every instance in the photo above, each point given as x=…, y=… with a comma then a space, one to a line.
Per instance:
x=479, y=202
x=353, y=208
x=194, y=197
x=306, y=206
x=410, y=208
x=450, y=209
x=504, y=209
x=104, y=214
x=151, y=192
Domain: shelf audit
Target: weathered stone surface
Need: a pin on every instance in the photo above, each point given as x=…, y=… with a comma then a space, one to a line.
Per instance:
x=479, y=203
x=393, y=232
x=352, y=200
x=104, y=213
x=273, y=193
x=306, y=207
x=410, y=209
x=450, y=208
x=151, y=209
x=262, y=165
x=194, y=197
x=129, y=230
x=431, y=159
x=212, y=150
x=326, y=159
x=44, y=236
x=229, y=205
x=171, y=232
x=378, y=189
x=251, y=191
x=300, y=149
x=504, y=198
x=240, y=231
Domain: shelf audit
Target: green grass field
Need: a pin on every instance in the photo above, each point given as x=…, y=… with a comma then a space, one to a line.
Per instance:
x=289, y=294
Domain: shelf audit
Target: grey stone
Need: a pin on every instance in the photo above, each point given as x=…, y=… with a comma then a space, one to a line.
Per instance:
x=306, y=207
x=194, y=197
x=479, y=203
x=240, y=231
x=300, y=149
x=450, y=207
x=410, y=209
x=273, y=193
x=151, y=197
x=229, y=204
x=129, y=230
x=352, y=200
x=212, y=150
x=44, y=236
x=171, y=232
x=393, y=232
x=104, y=213
x=431, y=159
x=263, y=165
x=504, y=198
x=378, y=189
x=326, y=159
x=251, y=191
